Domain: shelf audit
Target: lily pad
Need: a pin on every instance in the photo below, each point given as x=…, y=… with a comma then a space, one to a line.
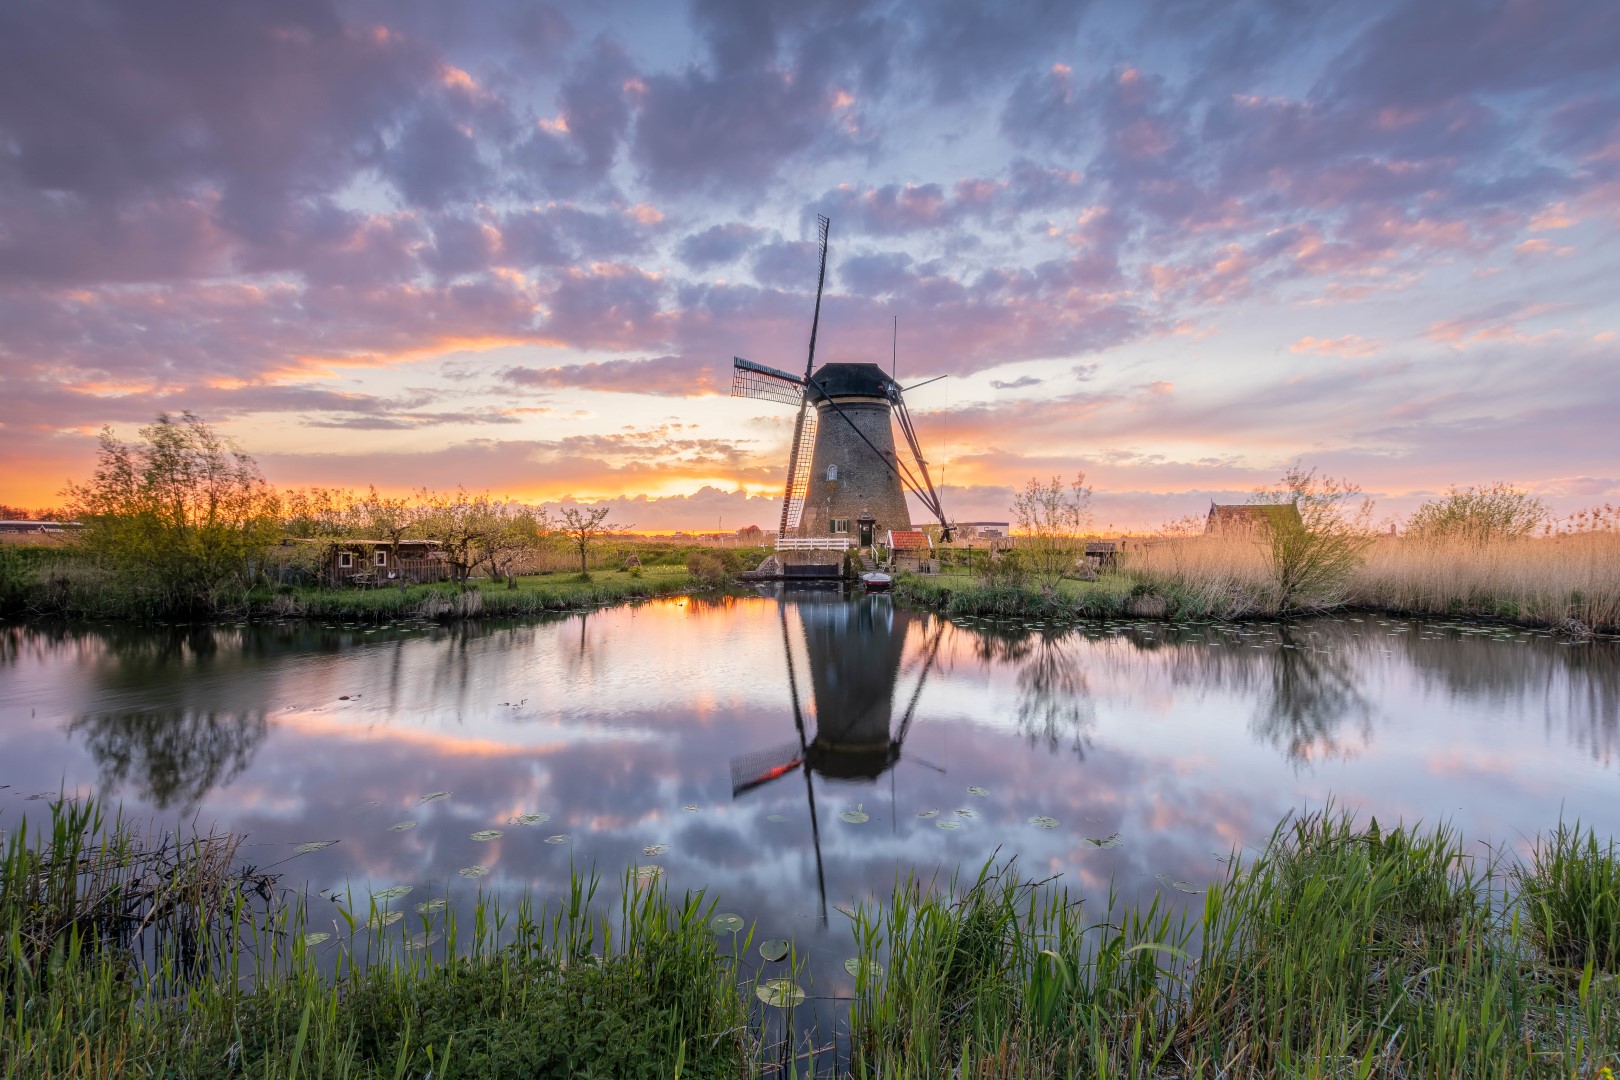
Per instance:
x=434, y=796
x=692, y=808
x=773, y=950
x=1111, y=841
x=391, y=894
x=1041, y=821
x=313, y=845
x=653, y=850
x=779, y=993
x=401, y=826
x=1180, y=886
x=979, y=791
x=966, y=812
x=487, y=834
x=384, y=918
x=774, y=817
x=430, y=906
x=855, y=815
x=528, y=819
x=560, y=838
x=473, y=871
x=312, y=940
x=726, y=923
x=423, y=939
x=855, y=965
x=928, y=813
x=646, y=875
x=947, y=823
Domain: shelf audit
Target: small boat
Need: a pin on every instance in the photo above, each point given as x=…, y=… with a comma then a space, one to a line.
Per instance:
x=876, y=581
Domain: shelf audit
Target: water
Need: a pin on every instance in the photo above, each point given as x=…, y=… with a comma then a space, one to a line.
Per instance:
x=673, y=723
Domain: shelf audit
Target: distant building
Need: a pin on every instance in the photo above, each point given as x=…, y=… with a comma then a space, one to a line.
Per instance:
x=1248, y=517
x=983, y=530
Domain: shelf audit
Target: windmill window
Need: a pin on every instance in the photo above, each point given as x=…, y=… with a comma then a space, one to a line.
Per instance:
x=345, y=559
x=382, y=558
x=832, y=472
x=840, y=525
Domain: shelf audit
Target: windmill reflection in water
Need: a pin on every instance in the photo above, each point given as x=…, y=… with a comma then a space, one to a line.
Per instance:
x=855, y=648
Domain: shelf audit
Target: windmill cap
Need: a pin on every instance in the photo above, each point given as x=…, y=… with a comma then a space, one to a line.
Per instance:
x=850, y=380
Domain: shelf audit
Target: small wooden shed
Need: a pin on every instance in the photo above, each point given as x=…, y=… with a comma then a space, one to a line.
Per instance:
x=1249, y=517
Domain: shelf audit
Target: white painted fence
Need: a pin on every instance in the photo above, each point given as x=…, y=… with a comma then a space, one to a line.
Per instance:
x=813, y=543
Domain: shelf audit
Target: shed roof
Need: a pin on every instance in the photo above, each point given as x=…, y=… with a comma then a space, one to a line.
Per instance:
x=909, y=540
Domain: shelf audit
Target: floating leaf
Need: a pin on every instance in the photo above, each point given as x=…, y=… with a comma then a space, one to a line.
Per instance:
x=928, y=813
x=384, y=918
x=854, y=965
x=528, y=819
x=487, y=834
x=779, y=993
x=313, y=845
x=652, y=850
x=646, y=875
x=966, y=811
x=433, y=796
x=773, y=950
x=726, y=923
x=947, y=823
x=391, y=894
x=774, y=817
x=856, y=815
x=430, y=906
x=979, y=791
x=473, y=871
x=691, y=808
x=1041, y=821
x=560, y=838
x=422, y=939
x=401, y=826
x=312, y=940
x=1111, y=841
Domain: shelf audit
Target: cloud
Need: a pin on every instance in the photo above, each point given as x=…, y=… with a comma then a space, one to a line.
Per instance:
x=1345, y=346
x=1016, y=384
x=662, y=375
x=718, y=244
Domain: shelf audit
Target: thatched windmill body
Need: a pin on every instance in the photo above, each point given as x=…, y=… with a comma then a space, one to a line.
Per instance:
x=844, y=478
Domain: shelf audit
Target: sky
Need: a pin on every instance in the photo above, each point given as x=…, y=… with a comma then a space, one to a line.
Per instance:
x=1176, y=244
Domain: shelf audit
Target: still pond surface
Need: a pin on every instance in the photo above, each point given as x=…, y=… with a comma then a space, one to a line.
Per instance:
x=795, y=752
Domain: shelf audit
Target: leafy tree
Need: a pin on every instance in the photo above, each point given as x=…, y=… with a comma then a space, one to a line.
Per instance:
x=1053, y=517
x=511, y=531
x=583, y=525
x=316, y=512
x=389, y=518
x=1479, y=515
x=1313, y=551
x=182, y=516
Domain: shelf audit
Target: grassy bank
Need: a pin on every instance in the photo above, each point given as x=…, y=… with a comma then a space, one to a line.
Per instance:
x=58, y=581
x=1339, y=951
x=535, y=595
x=1569, y=582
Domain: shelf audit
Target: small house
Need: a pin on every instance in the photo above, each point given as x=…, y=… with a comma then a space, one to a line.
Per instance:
x=911, y=549
x=1249, y=517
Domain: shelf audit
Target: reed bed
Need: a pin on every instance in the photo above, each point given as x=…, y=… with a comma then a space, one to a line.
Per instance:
x=1338, y=951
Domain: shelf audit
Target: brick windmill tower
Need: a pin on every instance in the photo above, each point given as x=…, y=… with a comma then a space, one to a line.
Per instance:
x=844, y=478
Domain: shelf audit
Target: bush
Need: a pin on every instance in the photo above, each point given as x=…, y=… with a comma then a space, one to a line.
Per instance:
x=706, y=568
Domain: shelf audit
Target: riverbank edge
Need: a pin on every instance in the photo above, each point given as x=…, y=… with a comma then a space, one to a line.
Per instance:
x=1123, y=597
x=1338, y=946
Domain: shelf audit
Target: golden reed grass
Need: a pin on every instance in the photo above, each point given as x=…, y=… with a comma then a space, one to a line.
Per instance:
x=1559, y=580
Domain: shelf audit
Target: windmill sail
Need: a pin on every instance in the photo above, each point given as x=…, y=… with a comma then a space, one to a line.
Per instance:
x=798, y=482
x=804, y=429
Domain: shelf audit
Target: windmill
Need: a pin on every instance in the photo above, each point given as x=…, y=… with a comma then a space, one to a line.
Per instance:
x=853, y=686
x=844, y=478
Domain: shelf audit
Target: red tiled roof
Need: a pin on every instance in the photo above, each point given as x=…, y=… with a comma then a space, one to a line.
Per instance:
x=909, y=540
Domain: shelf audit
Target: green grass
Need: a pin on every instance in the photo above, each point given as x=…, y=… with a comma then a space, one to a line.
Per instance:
x=1338, y=951
x=534, y=595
